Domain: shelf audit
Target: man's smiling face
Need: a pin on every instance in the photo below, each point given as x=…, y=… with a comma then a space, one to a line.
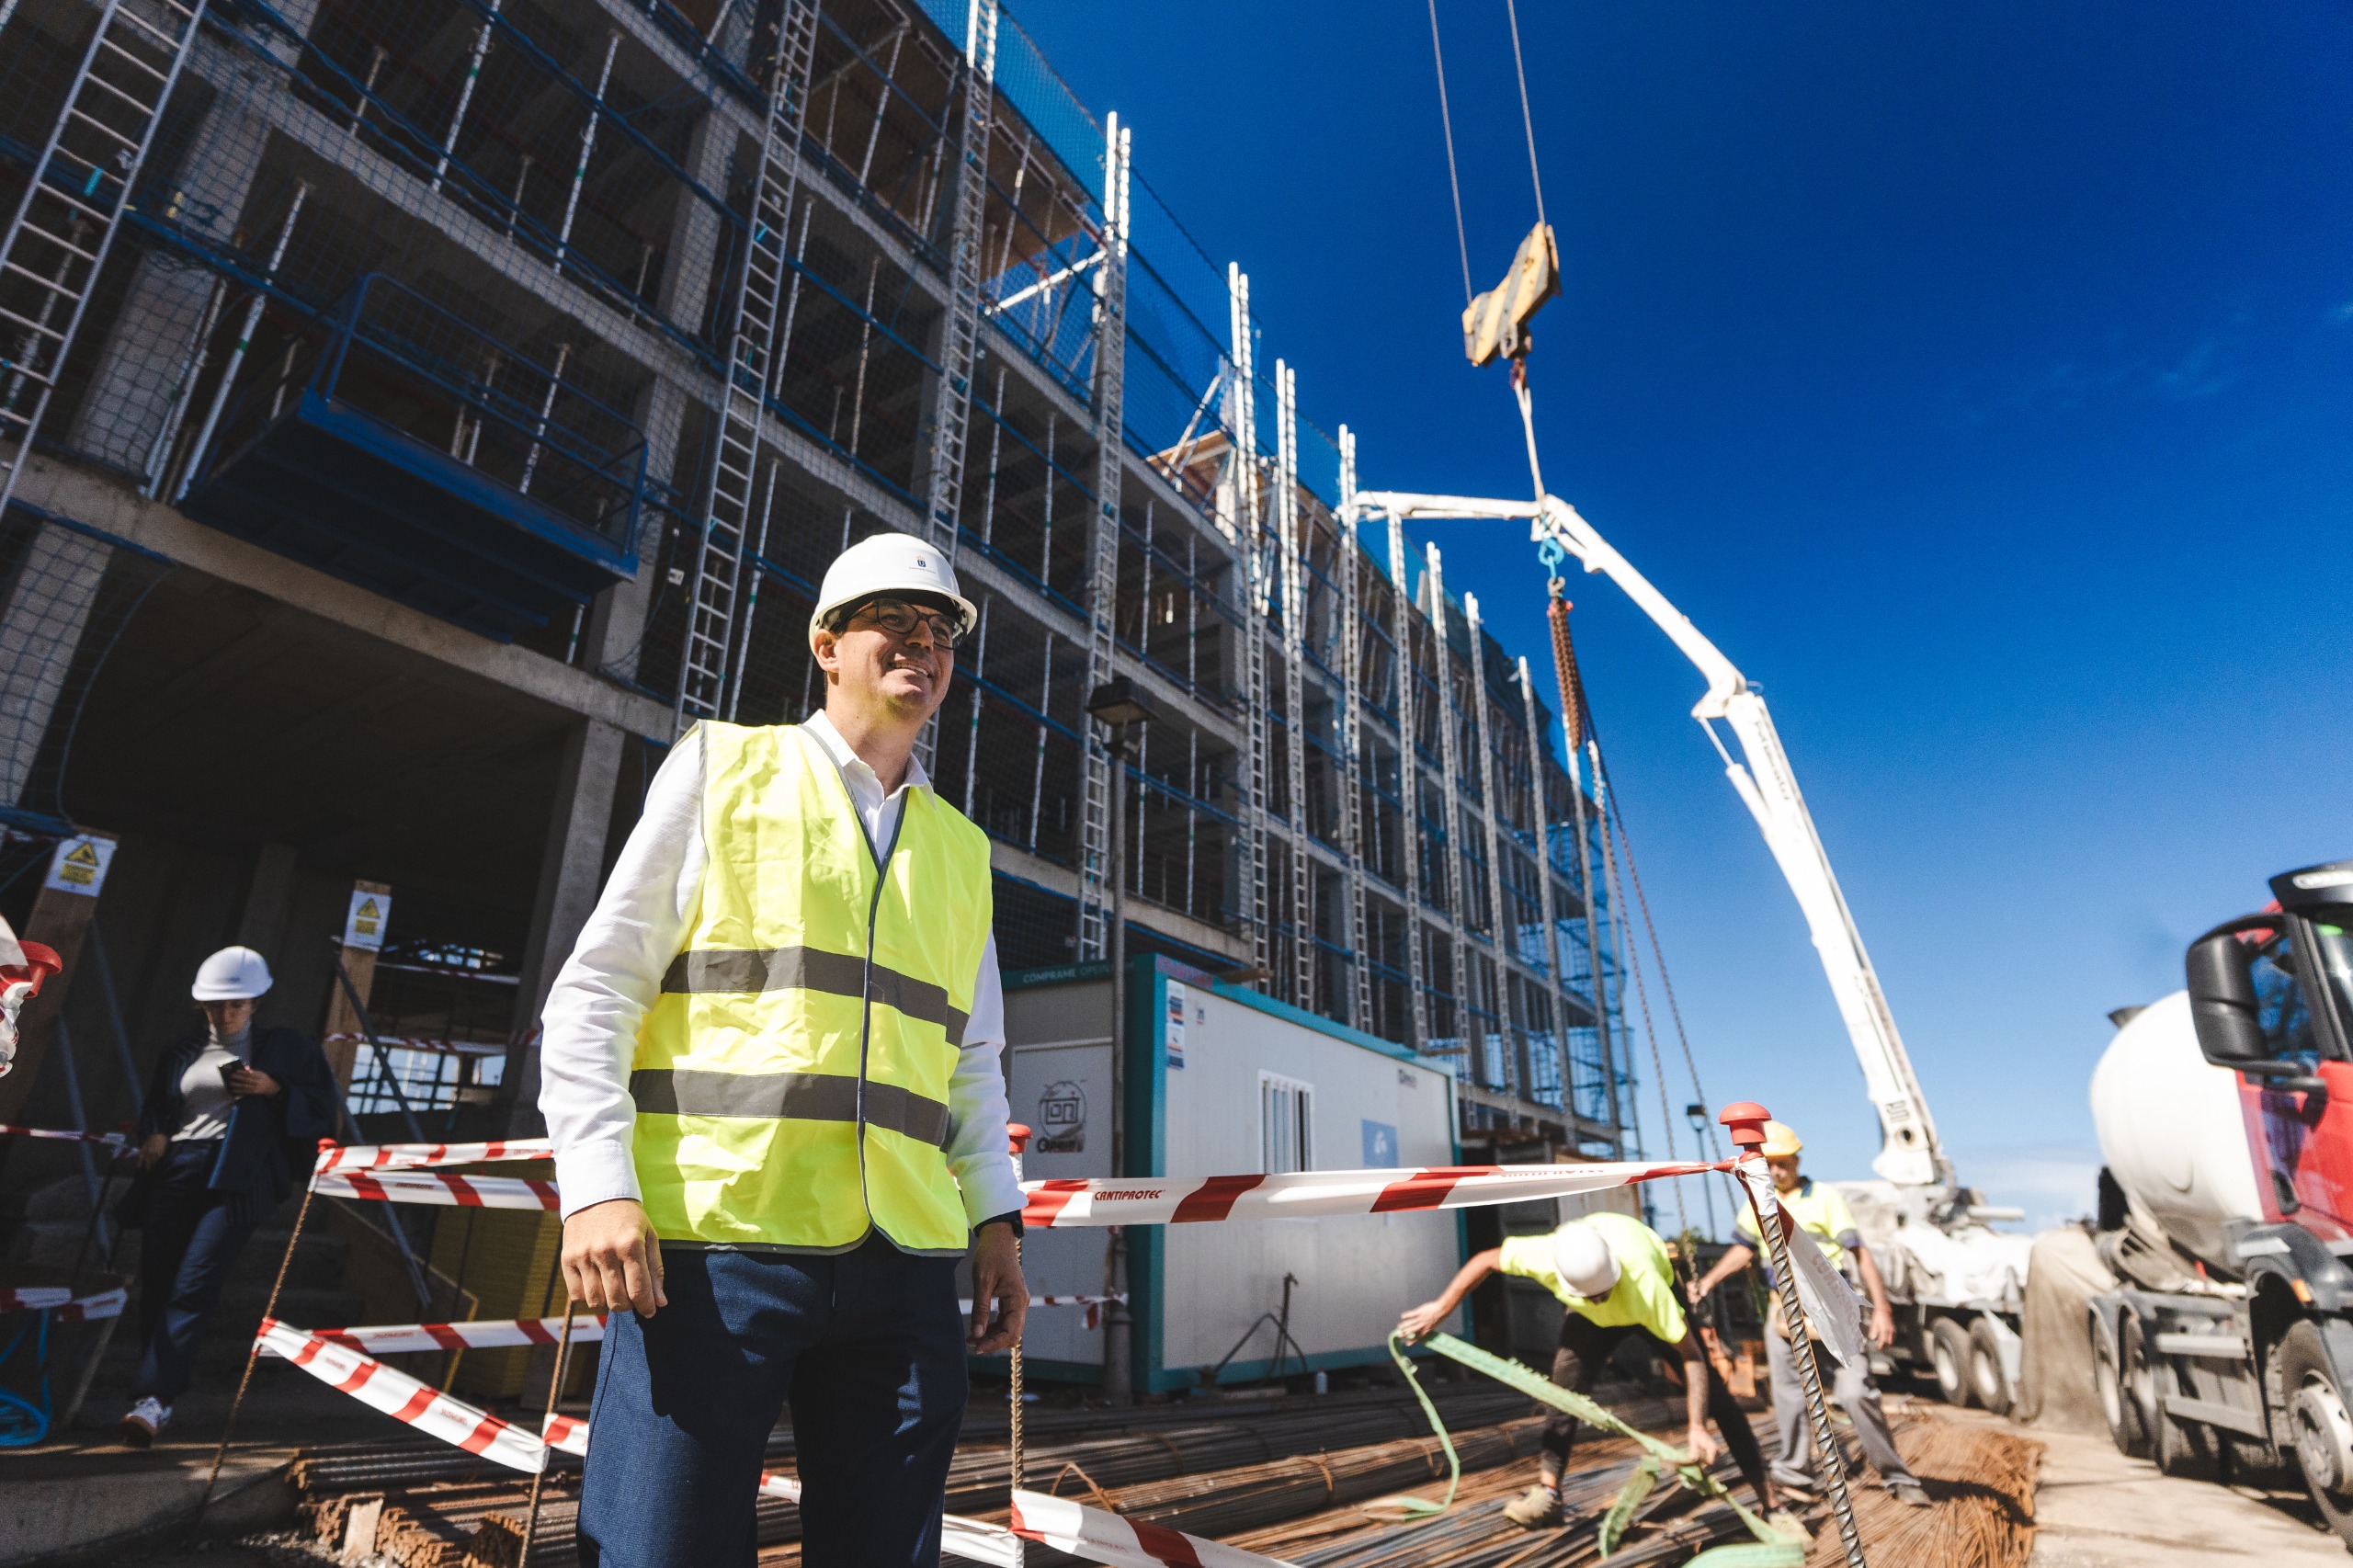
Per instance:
x=905, y=671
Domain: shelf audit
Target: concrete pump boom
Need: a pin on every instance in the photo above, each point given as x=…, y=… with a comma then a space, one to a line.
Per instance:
x=1909, y=1153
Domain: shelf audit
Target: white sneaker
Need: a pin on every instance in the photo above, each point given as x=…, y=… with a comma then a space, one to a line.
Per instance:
x=147, y=1421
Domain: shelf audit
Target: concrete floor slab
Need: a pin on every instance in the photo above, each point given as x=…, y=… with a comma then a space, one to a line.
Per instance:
x=61, y=1500
x=2095, y=1508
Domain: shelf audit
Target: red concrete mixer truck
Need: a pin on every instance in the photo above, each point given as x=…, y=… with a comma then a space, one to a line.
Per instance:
x=2225, y=1117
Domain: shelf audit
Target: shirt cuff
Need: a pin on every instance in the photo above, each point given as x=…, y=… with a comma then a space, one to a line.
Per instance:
x=594, y=1171
x=989, y=1189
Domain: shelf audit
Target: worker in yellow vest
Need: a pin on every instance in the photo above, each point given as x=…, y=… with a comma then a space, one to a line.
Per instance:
x=1822, y=1212
x=770, y=1072
x=1613, y=1273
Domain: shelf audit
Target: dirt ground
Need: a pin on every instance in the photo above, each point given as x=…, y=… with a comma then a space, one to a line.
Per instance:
x=2095, y=1508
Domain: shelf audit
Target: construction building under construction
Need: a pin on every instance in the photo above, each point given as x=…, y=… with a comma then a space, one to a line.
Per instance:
x=415, y=412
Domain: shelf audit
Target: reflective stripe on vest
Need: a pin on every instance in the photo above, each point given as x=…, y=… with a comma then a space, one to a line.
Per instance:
x=792, y=1079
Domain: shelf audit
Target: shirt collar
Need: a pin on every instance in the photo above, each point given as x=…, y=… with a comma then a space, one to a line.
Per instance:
x=821, y=730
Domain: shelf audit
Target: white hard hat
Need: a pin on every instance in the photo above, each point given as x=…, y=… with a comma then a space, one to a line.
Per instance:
x=890, y=563
x=1581, y=1256
x=233, y=974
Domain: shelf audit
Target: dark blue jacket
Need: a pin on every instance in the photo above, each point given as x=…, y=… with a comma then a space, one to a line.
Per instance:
x=272, y=1139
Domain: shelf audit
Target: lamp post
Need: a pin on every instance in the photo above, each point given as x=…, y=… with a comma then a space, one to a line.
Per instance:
x=1117, y=706
x=1698, y=1115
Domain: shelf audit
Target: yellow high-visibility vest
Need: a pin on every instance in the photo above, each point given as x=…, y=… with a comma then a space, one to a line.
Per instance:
x=791, y=1081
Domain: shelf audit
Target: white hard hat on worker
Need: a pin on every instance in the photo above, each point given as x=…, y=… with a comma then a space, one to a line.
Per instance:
x=1583, y=1258
x=233, y=974
x=891, y=566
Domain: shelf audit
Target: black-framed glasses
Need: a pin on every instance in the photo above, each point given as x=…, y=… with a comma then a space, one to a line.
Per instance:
x=900, y=619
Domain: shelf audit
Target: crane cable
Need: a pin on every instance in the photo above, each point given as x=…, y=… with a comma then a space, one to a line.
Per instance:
x=1446, y=120
x=1526, y=120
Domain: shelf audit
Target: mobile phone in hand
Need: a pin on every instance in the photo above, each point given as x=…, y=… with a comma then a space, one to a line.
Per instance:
x=227, y=1071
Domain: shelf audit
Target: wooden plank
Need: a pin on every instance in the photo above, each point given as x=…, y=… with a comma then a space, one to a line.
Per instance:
x=363, y=937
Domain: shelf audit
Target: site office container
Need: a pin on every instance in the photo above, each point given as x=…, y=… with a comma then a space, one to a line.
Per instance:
x=1219, y=1080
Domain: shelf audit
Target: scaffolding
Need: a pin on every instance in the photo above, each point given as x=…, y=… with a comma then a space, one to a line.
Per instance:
x=647, y=307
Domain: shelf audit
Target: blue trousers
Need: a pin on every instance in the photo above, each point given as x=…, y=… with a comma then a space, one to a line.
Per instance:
x=187, y=1245
x=868, y=1347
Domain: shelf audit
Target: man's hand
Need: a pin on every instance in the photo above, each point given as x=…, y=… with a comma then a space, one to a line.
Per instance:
x=612, y=1261
x=154, y=1147
x=1702, y=1443
x=1883, y=1326
x=996, y=1283
x=241, y=1081
x=1419, y=1322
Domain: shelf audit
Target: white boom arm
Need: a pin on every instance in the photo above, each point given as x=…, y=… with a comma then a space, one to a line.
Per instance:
x=1909, y=1155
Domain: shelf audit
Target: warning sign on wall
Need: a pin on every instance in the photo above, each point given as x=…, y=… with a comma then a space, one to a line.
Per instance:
x=80, y=865
x=364, y=926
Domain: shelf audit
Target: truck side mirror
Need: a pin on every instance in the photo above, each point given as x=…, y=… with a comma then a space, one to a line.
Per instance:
x=2222, y=1003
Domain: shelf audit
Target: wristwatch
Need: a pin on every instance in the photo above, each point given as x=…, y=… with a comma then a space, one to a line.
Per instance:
x=1012, y=1219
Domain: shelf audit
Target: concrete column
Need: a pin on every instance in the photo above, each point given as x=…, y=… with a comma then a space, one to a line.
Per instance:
x=268, y=901
x=151, y=348
x=572, y=872
x=47, y=608
x=617, y=620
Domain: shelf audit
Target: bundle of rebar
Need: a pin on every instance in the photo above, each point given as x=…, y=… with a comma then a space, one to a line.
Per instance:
x=1121, y=1447
x=1982, y=1481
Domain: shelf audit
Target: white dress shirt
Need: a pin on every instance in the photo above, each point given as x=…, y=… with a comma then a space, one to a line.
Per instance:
x=588, y=1032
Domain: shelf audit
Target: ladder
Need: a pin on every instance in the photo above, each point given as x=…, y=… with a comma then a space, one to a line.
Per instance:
x=1244, y=469
x=1548, y=905
x=1096, y=870
x=712, y=618
x=65, y=221
x=1352, y=738
x=961, y=335
x=1498, y=932
x=1293, y=551
x=1409, y=783
x=1450, y=773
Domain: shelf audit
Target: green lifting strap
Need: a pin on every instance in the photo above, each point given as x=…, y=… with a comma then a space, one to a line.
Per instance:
x=1772, y=1549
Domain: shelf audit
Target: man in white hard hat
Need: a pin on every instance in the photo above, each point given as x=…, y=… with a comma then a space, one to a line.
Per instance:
x=770, y=1071
x=1613, y=1273
x=1822, y=1212
x=233, y=1116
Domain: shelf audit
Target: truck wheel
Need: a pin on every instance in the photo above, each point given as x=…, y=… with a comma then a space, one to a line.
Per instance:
x=2319, y=1424
x=2124, y=1425
x=1989, y=1385
x=2140, y=1384
x=1949, y=1354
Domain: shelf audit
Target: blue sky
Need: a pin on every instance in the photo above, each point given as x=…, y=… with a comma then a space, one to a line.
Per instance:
x=1978, y=377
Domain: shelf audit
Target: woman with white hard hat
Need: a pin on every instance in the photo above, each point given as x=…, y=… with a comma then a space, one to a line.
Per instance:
x=1613, y=1273
x=227, y=1129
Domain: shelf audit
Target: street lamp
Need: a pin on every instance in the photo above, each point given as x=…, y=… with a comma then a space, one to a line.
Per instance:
x=1699, y=1117
x=1118, y=707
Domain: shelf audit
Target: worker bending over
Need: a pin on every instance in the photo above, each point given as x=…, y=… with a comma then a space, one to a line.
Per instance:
x=1820, y=1212
x=771, y=1077
x=1613, y=1273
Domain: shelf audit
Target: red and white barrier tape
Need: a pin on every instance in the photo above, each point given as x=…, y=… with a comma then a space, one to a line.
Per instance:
x=1099, y=1536
x=1829, y=1302
x=89, y=1309
x=424, y=1156
x=404, y=1398
x=36, y=1297
x=113, y=1139
x=498, y=1334
x=436, y=1187
x=1055, y=1205
x=62, y=1305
